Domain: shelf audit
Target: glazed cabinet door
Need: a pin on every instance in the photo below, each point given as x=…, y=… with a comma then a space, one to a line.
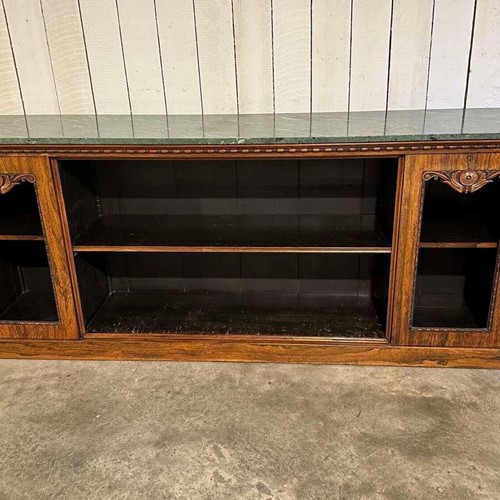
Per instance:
x=36, y=300
x=446, y=286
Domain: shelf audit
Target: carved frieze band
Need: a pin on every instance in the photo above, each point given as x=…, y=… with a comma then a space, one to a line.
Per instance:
x=250, y=149
x=8, y=181
x=463, y=181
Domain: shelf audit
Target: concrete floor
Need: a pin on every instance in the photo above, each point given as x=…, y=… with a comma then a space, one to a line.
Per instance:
x=85, y=430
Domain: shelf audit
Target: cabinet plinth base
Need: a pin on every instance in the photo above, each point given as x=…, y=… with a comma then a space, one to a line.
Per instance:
x=355, y=353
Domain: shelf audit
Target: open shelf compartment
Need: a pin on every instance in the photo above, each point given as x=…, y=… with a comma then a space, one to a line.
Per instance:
x=26, y=294
x=247, y=205
x=304, y=295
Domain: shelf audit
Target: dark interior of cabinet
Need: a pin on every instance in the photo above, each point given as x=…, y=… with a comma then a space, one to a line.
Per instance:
x=449, y=216
x=26, y=293
x=247, y=203
x=19, y=214
x=454, y=287
x=323, y=295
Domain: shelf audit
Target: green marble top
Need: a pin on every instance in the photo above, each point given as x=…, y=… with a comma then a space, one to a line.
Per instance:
x=373, y=126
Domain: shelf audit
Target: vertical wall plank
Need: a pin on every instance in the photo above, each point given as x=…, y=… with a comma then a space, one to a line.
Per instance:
x=292, y=55
x=102, y=37
x=142, y=56
x=67, y=52
x=29, y=42
x=254, y=57
x=411, y=37
x=484, y=79
x=10, y=94
x=176, y=30
x=371, y=24
x=450, y=53
x=214, y=24
x=331, y=27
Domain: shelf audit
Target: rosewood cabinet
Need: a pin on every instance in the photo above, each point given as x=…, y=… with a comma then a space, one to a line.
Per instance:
x=376, y=250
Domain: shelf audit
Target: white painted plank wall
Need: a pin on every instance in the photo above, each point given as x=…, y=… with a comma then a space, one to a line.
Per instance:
x=451, y=40
x=10, y=95
x=484, y=80
x=371, y=29
x=104, y=48
x=141, y=53
x=31, y=53
x=177, y=35
x=254, y=55
x=246, y=56
x=331, y=41
x=292, y=55
x=411, y=43
x=67, y=53
x=214, y=27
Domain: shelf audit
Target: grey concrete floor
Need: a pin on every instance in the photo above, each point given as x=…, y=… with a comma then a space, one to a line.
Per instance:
x=88, y=430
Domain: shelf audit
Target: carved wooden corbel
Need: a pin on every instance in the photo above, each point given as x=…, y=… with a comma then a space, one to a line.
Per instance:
x=463, y=181
x=8, y=181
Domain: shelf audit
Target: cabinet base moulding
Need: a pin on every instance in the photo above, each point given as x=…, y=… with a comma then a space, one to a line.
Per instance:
x=205, y=350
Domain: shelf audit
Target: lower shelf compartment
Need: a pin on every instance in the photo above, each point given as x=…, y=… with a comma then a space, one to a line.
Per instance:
x=300, y=295
x=444, y=317
x=454, y=288
x=26, y=287
x=234, y=313
x=39, y=307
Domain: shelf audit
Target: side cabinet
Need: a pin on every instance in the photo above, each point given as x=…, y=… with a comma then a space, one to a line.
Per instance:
x=446, y=283
x=36, y=300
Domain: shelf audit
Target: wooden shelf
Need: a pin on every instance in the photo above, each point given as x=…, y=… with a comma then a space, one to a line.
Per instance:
x=21, y=237
x=232, y=314
x=256, y=233
x=461, y=244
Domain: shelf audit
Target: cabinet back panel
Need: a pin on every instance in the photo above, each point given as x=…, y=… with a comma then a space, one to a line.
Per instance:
x=329, y=187
x=346, y=276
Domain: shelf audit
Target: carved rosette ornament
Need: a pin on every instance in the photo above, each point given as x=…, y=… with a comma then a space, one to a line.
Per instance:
x=8, y=181
x=463, y=181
